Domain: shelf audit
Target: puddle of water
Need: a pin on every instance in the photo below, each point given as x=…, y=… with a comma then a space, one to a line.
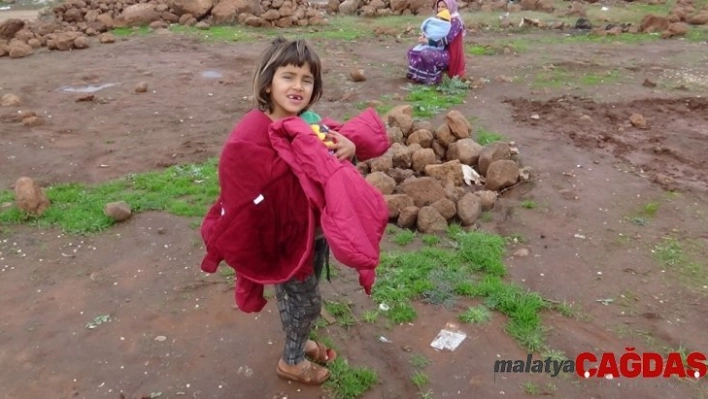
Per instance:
x=85, y=89
x=212, y=75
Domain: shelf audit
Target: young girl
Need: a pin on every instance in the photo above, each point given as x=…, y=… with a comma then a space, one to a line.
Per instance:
x=286, y=198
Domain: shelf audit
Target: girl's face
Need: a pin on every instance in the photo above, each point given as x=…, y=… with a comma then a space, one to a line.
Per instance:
x=291, y=90
x=441, y=6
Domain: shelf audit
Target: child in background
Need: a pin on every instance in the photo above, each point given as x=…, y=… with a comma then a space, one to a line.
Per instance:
x=433, y=30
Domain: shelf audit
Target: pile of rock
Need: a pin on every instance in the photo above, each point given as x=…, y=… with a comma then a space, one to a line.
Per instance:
x=435, y=175
x=105, y=14
x=76, y=20
x=375, y=8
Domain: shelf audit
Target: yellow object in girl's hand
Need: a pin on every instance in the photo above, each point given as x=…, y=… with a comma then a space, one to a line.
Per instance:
x=320, y=131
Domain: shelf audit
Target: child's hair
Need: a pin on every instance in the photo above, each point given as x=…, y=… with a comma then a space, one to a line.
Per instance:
x=282, y=53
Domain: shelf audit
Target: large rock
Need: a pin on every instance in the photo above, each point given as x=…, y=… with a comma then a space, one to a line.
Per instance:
x=383, y=163
x=447, y=173
x=422, y=158
x=29, y=197
x=19, y=49
x=493, y=152
x=430, y=220
x=446, y=207
x=396, y=203
x=422, y=137
x=444, y=135
x=402, y=117
x=466, y=151
x=139, y=15
x=423, y=190
x=9, y=27
x=408, y=217
x=198, y=8
x=459, y=125
x=349, y=7
x=402, y=156
x=383, y=182
x=469, y=208
x=502, y=174
x=227, y=11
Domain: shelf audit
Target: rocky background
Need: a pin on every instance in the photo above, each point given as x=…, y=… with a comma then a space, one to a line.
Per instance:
x=434, y=175
x=69, y=25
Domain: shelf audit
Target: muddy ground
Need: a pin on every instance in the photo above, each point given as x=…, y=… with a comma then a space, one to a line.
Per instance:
x=174, y=330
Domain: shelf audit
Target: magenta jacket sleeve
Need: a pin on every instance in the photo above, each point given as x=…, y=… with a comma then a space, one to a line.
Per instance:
x=367, y=131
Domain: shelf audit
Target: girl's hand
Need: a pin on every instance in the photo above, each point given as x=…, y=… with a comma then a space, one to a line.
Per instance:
x=343, y=147
x=422, y=39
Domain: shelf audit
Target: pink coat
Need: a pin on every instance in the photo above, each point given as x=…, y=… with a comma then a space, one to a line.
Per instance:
x=277, y=188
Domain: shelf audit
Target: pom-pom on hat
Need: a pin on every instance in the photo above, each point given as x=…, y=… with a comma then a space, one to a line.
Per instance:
x=444, y=14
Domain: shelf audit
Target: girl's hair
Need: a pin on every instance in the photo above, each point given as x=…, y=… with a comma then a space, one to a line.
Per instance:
x=283, y=53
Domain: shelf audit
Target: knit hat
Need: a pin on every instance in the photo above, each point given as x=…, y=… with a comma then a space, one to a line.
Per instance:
x=444, y=14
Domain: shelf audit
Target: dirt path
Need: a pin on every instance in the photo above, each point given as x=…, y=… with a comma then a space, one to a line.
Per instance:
x=173, y=330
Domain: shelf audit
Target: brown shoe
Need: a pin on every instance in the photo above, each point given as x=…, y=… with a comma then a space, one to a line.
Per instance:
x=308, y=374
x=321, y=354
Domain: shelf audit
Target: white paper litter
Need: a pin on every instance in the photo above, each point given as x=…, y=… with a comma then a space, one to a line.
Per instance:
x=448, y=339
x=470, y=175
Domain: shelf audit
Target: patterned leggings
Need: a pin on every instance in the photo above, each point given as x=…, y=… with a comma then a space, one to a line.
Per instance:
x=299, y=303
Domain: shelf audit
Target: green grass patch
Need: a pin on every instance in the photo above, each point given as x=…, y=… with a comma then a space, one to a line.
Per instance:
x=529, y=204
x=697, y=34
x=530, y=388
x=428, y=101
x=473, y=267
x=381, y=106
x=420, y=379
x=480, y=50
x=562, y=77
x=136, y=31
x=347, y=382
x=430, y=240
x=183, y=190
x=229, y=33
x=404, y=237
x=419, y=361
x=476, y=315
x=679, y=257
x=341, y=311
x=485, y=136
x=497, y=47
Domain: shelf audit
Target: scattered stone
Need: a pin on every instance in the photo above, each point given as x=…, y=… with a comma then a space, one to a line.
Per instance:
x=88, y=97
x=649, y=83
x=638, y=121
x=118, y=211
x=10, y=100
x=201, y=25
x=81, y=42
x=357, y=75
x=107, y=38
x=32, y=121
x=141, y=87
x=522, y=252
x=29, y=197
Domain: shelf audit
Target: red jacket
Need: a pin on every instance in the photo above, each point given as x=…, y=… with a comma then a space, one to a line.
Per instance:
x=277, y=188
